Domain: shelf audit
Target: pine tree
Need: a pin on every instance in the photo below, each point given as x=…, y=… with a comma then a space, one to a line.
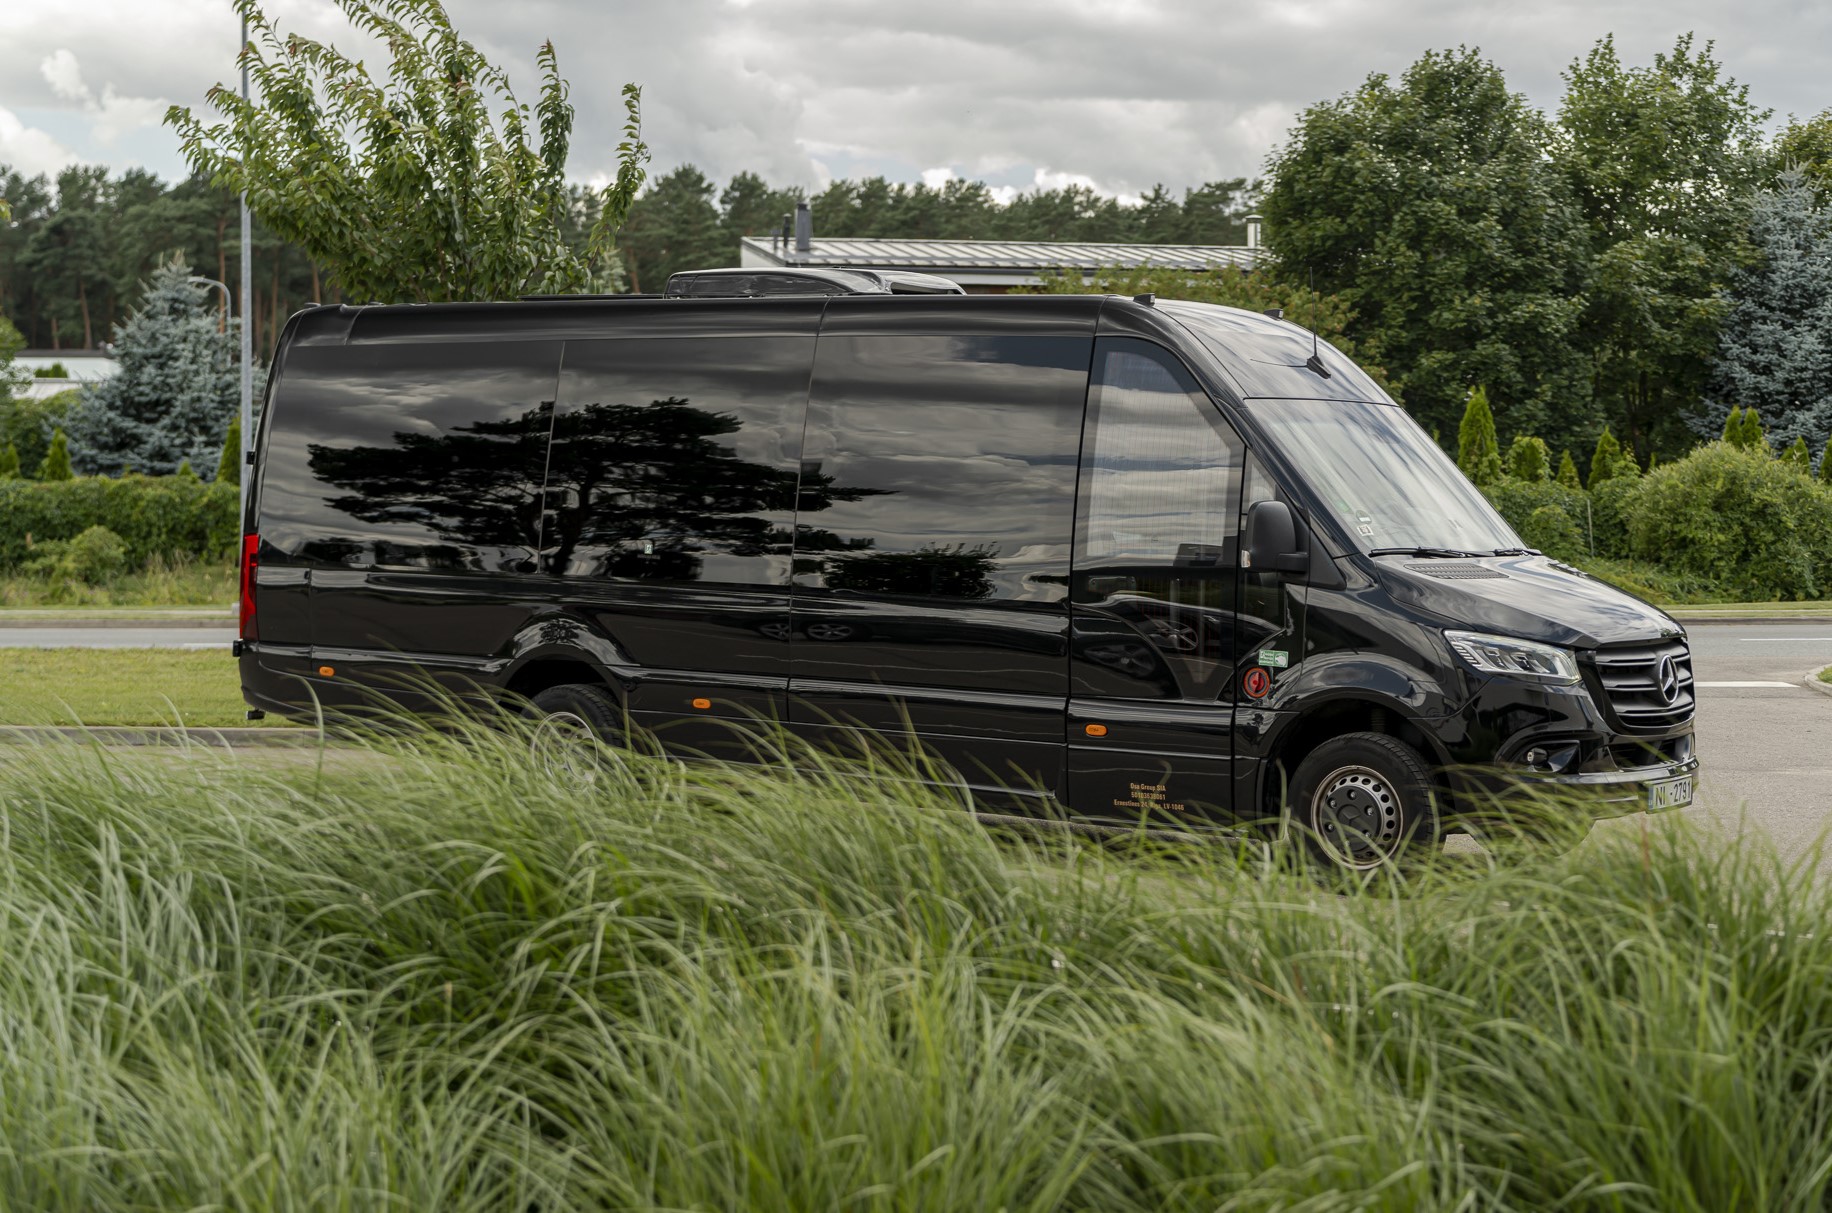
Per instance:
x=9, y=462
x=1775, y=346
x=1606, y=460
x=229, y=464
x=1478, y=450
x=57, y=459
x=1529, y=460
x=1568, y=472
x=176, y=389
x=1825, y=463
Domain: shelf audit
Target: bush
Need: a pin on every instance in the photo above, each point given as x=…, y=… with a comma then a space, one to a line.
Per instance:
x=93, y=557
x=28, y=424
x=1609, y=505
x=152, y=516
x=1739, y=517
x=1529, y=460
x=1519, y=501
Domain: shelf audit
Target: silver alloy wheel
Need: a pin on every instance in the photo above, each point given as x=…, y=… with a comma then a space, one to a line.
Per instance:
x=1356, y=816
x=566, y=746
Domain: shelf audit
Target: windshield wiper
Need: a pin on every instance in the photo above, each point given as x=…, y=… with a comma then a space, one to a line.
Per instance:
x=1434, y=553
x=1517, y=552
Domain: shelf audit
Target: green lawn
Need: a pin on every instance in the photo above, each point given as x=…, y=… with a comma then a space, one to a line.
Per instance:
x=120, y=686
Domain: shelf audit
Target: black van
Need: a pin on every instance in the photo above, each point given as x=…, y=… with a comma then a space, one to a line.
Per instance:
x=1142, y=559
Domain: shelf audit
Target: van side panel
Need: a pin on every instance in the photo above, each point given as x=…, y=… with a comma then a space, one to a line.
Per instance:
x=403, y=479
x=932, y=542
x=670, y=507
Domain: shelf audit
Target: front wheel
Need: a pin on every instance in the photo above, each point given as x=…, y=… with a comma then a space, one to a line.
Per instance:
x=573, y=724
x=1364, y=800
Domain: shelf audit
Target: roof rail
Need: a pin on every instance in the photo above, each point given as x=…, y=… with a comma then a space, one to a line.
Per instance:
x=787, y=281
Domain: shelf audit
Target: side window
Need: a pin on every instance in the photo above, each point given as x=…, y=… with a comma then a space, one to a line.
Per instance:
x=411, y=455
x=941, y=467
x=674, y=459
x=1157, y=531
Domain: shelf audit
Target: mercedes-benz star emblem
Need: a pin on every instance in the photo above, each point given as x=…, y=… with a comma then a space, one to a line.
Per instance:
x=1668, y=677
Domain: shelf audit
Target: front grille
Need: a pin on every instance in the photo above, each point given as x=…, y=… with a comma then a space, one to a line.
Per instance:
x=1627, y=681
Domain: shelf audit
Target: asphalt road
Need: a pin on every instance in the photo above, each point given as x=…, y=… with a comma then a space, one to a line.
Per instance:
x=1764, y=739
x=1766, y=750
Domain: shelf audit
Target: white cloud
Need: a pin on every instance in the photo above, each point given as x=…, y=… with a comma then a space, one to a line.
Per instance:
x=65, y=77
x=935, y=178
x=113, y=115
x=28, y=150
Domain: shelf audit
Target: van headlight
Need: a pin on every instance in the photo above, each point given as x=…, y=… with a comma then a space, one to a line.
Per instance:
x=1515, y=658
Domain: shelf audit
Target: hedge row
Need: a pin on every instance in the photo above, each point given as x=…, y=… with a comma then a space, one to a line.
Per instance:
x=154, y=515
x=1756, y=526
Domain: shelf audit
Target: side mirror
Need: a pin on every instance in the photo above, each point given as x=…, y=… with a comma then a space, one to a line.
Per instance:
x=1271, y=542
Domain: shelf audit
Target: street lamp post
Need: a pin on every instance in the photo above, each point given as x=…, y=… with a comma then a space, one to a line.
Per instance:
x=247, y=316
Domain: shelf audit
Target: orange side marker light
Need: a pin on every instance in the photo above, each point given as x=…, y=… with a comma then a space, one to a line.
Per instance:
x=1097, y=730
x=702, y=704
x=325, y=671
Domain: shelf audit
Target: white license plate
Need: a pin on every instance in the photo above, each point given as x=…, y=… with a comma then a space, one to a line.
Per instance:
x=1671, y=794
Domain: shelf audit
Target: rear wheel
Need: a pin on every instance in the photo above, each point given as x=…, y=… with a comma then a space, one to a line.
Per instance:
x=1364, y=800
x=573, y=725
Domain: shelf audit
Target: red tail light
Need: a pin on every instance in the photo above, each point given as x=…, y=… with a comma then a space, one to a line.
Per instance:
x=251, y=556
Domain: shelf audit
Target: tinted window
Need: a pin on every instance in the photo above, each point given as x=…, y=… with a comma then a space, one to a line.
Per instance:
x=424, y=456
x=942, y=467
x=675, y=459
x=1157, y=531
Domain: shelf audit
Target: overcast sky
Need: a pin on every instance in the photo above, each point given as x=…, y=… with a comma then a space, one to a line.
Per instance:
x=1118, y=94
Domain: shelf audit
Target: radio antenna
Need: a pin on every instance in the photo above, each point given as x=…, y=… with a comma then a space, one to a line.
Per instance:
x=1315, y=361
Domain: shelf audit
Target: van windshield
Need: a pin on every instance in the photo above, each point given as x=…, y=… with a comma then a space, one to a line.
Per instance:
x=1383, y=476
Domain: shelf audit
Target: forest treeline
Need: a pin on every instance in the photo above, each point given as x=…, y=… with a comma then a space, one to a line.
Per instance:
x=75, y=260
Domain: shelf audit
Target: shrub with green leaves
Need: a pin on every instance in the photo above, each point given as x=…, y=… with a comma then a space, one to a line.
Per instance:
x=1738, y=517
x=1605, y=459
x=1610, y=503
x=93, y=557
x=152, y=515
x=1529, y=507
x=1529, y=459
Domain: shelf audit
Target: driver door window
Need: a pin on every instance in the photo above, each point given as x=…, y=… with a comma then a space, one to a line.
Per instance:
x=1157, y=532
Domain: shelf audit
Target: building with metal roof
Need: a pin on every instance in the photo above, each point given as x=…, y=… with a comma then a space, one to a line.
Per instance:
x=988, y=266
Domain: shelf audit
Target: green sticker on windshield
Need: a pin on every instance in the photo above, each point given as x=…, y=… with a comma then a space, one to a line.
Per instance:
x=1276, y=659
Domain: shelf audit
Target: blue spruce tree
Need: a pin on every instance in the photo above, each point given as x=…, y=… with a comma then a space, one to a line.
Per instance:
x=1775, y=353
x=175, y=392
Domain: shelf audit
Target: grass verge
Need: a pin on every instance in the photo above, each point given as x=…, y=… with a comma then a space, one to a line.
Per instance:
x=453, y=979
x=201, y=689
x=1825, y=675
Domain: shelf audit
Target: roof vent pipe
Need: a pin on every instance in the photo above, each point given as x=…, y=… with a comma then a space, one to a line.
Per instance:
x=804, y=228
x=1253, y=231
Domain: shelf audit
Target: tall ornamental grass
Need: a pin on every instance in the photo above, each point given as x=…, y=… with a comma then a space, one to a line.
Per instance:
x=427, y=973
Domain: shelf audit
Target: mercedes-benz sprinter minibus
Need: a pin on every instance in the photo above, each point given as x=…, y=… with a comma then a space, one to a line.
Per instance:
x=1128, y=559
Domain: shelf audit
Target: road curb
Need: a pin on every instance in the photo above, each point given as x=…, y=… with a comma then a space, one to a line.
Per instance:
x=1690, y=620
x=152, y=735
x=1814, y=684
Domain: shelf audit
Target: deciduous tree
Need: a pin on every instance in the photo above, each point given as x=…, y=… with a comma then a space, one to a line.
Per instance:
x=1431, y=206
x=1662, y=160
x=408, y=188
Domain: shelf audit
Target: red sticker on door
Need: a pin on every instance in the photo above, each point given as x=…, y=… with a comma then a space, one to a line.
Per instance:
x=1256, y=682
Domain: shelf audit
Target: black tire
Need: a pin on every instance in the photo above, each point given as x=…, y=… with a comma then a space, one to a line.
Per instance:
x=573, y=725
x=1364, y=801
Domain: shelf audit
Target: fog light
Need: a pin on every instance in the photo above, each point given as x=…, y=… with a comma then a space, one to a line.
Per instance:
x=1536, y=757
